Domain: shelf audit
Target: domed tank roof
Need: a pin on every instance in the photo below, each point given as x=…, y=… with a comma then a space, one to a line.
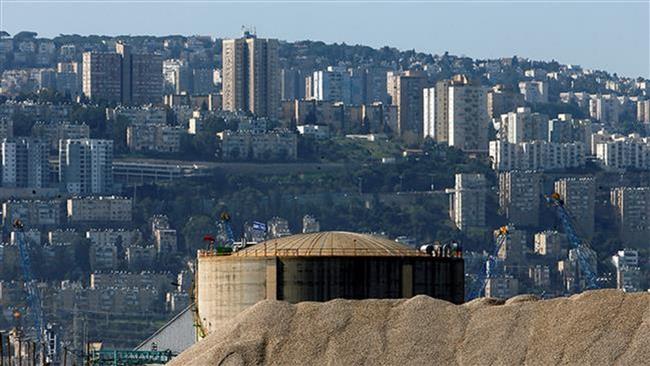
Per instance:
x=329, y=243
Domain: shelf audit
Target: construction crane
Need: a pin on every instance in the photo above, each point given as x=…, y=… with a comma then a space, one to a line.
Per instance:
x=485, y=271
x=226, y=229
x=33, y=297
x=581, y=247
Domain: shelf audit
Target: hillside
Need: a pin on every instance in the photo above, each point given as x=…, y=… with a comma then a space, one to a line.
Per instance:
x=598, y=328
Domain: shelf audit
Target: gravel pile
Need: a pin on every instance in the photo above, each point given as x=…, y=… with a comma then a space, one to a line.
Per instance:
x=602, y=327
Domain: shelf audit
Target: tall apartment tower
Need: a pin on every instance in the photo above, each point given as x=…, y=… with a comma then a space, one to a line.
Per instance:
x=123, y=76
x=86, y=166
x=142, y=76
x=522, y=125
x=519, y=193
x=468, y=116
x=578, y=195
x=251, y=77
x=102, y=76
x=632, y=211
x=332, y=84
x=406, y=93
x=429, y=113
x=25, y=163
x=502, y=99
x=441, y=115
x=467, y=202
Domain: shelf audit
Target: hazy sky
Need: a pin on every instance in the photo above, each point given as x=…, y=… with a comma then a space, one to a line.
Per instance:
x=610, y=35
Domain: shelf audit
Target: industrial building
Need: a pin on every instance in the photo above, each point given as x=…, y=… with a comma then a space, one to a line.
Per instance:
x=320, y=267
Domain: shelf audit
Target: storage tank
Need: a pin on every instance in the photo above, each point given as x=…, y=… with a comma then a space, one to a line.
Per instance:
x=320, y=267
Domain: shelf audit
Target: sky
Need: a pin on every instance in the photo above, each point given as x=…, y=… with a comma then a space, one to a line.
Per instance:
x=612, y=35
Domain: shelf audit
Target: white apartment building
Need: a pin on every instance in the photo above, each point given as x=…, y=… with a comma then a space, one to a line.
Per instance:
x=628, y=272
x=429, y=112
x=86, y=165
x=621, y=152
x=534, y=91
x=468, y=118
x=333, y=84
x=551, y=243
x=536, y=155
x=643, y=111
x=604, y=108
x=467, y=202
x=102, y=208
x=523, y=125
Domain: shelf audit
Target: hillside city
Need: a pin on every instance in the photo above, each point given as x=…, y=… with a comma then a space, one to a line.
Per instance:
x=119, y=154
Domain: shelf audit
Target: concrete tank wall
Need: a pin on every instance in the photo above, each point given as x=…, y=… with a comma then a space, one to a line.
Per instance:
x=326, y=278
x=226, y=286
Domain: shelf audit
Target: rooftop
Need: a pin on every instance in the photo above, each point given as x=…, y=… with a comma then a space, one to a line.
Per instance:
x=329, y=243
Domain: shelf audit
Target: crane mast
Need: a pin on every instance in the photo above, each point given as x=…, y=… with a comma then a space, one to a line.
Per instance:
x=485, y=270
x=33, y=297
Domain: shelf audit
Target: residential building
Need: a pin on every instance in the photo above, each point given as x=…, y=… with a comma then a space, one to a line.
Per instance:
x=51, y=133
x=467, y=202
x=407, y=95
x=176, y=76
x=565, y=128
x=616, y=152
x=579, y=196
x=552, y=244
x=165, y=238
x=86, y=165
x=25, y=163
x=104, y=237
x=33, y=213
x=102, y=76
x=277, y=227
x=141, y=76
x=522, y=125
x=100, y=208
x=429, y=113
x=643, y=111
x=270, y=145
x=140, y=115
x=6, y=127
x=628, y=271
x=512, y=250
x=441, y=111
x=291, y=84
x=333, y=84
x=502, y=287
x=604, y=108
x=632, y=211
x=540, y=276
x=251, y=75
x=123, y=76
x=519, y=196
x=159, y=138
x=310, y=224
x=536, y=155
x=203, y=82
x=534, y=91
x=468, y=117
x=501, y=100
x=577, y=269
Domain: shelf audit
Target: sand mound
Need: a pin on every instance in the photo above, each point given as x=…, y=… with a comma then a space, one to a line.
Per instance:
x=597, y=328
